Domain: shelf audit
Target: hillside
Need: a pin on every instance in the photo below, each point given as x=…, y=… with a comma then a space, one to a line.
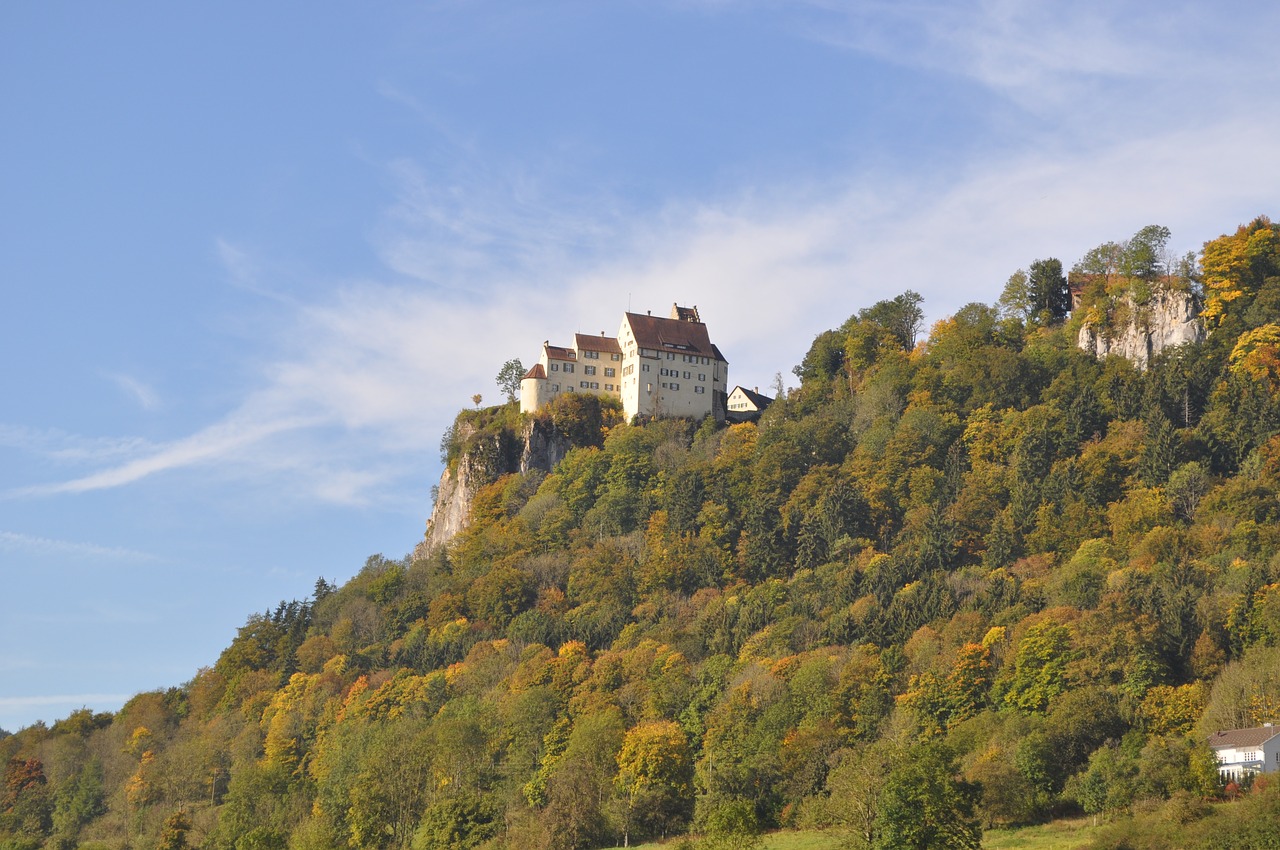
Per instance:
x=973, y=581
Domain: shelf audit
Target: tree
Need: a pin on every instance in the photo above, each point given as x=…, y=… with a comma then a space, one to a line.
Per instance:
x=174, y=834
x=655, y=777
x=1015, y=300
x=1144, y=254
x=732, y=825
x=901, y=316
x=1040, y=667
x=1047, y=291
x=924, y=806
x=26, y=808
x=509, y=377
x=476, y=399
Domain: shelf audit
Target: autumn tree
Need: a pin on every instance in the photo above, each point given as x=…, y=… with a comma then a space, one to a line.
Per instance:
x=26, y=807
x=655, y=778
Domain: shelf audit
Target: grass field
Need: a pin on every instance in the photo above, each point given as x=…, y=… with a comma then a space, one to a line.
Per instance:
x=1059, y=835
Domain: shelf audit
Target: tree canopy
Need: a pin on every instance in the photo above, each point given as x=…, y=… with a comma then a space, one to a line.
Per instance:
x=973, y=580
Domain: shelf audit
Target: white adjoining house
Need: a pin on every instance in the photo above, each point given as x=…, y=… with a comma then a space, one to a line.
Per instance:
x=657, y=367
x=745, y=405
x=1244, y=752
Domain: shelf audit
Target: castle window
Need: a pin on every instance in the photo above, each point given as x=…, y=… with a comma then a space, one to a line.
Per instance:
x=675, y=386
x=555, y=388
x=646, y=367
x=588, y=370
x=568, y=367
x=608, y=387
x=586, y=385
x=555, y=367
x=609, y=371
x=686, y=376
x=591, y=355
x=670, y=356
x=702, y=376
x=615, y=356
x=700, y=390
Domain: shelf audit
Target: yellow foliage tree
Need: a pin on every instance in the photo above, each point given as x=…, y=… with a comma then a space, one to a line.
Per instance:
x=1233, y=265
x=1257, y=356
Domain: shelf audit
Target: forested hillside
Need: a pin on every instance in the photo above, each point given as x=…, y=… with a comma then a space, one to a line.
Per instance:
x=980, y=579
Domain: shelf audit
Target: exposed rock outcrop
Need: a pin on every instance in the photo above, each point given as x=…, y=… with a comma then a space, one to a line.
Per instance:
x=539, y=445
x=1139, y=332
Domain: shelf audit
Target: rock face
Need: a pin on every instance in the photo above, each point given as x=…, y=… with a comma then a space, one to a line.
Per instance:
x=1169, y=318
x=539, y=446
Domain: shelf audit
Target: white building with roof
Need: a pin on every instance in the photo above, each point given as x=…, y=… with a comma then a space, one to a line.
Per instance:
x=1244, y=752
x=745, y=405
x=658, y=367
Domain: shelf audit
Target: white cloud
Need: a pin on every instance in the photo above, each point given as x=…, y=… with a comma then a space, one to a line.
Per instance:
x=97, y=701
x=370, y=374
x=146, y=397
x=60, y=446
x=13, y=541
x=482, y=264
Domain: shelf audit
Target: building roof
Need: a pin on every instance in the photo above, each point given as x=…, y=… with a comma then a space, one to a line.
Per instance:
x=760, y=400
x=1255, y=737
x=606, y=344
x=661, y=334
x=536, y=372
x=685, y=314
x=557, y=352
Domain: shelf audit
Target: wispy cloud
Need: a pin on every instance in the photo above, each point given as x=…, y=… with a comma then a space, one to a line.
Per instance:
x=1011, y=45
x=69, y=700
x=1071, y=61
x=482, y=262
x=13, y=541
x=144, y=395
x=244, y=272
x=61, y=446
x=478, y=227
x=369, y=374
x=211, y=444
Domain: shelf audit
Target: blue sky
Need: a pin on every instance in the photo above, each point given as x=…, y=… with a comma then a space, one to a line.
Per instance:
x=252, y=260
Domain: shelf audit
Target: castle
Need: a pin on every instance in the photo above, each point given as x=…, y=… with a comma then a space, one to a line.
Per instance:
x=657, y=367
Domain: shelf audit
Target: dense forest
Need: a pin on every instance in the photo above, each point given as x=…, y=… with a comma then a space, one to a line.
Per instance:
x=980, y=578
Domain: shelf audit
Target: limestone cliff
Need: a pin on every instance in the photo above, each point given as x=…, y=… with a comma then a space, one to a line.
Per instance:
x=486, y=458
x=1139, y=332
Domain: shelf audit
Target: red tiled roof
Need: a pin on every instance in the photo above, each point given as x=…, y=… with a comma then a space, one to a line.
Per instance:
x=606, y=344
x=672, y=335
x=1243, y=737
x=556, y=352
x=536, y=372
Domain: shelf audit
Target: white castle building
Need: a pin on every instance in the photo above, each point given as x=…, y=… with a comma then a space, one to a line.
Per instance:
x=657, y=367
